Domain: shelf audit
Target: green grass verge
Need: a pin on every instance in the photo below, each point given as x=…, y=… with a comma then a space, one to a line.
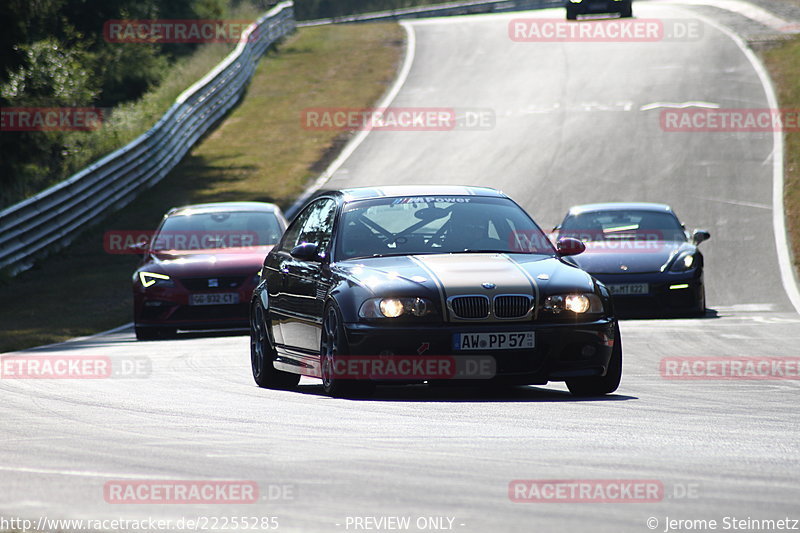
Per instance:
x=260, y=152
x=127, y=121
x=783, y=62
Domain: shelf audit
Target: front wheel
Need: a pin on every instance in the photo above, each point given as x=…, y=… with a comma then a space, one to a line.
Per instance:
x=262, y=355
x=626, y=11
x=571, y=15
x=333, y=346
x=600, y=385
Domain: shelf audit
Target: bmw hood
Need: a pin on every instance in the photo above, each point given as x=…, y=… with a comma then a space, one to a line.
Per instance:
x=466, y=274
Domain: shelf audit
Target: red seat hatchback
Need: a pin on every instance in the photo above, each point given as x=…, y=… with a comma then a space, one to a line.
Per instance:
x=201, y=267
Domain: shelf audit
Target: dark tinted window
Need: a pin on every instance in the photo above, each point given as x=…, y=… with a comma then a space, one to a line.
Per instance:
x=201, y=231
x=314, y=224
x=633, y=224
x=429, y=224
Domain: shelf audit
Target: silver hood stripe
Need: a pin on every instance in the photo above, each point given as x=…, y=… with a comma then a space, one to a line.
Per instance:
x=464, y=274
x=435, y=279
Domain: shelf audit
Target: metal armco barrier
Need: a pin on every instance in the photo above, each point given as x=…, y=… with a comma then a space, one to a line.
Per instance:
x=51, y=219
x=442, y=10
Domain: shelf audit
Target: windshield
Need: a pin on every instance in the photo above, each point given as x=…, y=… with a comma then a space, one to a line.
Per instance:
x=202, y=231
x=618, y=225
x=431, y=225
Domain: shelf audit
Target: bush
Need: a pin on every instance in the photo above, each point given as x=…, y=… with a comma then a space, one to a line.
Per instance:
x=53, y=54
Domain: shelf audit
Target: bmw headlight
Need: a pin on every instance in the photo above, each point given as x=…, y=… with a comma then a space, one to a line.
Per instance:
x=149, y=279
x=395, y=307
x=579, y=304
x=683, y=262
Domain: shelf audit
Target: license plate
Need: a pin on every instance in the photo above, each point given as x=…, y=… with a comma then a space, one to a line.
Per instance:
x=223, y=298
x=628, y=289
x=493, y=341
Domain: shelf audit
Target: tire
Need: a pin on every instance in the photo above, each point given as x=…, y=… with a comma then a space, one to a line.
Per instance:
x=154, y=334
x=332, y=346
x=626, y=11
x=571, y=15
x=262, y=354
x=601, y=385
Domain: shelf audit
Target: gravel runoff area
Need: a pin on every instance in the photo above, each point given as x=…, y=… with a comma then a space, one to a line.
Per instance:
x=787, y=9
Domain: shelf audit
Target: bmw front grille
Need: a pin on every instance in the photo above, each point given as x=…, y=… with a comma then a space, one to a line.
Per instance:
x=501, y=307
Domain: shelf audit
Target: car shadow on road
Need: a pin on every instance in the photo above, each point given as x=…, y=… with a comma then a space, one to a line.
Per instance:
x=709, y=314
x=205, y=334
x=455, y=394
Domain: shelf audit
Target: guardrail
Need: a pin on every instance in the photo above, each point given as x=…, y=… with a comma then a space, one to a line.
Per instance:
x=51, y=219
x=441, y=10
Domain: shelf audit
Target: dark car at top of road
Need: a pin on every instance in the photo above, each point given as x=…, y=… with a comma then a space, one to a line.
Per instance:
x=408, y=274
x=643, y=254
x=590, y=7
x=201, y=266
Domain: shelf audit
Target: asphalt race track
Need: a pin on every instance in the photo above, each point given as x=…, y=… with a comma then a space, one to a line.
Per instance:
x=571, y=123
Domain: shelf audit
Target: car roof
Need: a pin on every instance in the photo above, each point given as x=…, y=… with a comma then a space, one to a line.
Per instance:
x=224, y=207
x=620, y=206
x=390, y=191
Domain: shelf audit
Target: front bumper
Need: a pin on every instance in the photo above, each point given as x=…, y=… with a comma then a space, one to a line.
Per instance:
x=169, y=307
x=661, y=300
x=597, y=6
x=561, y=350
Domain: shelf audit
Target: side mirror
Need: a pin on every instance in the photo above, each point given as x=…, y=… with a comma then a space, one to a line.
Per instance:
x=567, y=246
x=700, y=235
x=308, y=251
x=138, y=248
